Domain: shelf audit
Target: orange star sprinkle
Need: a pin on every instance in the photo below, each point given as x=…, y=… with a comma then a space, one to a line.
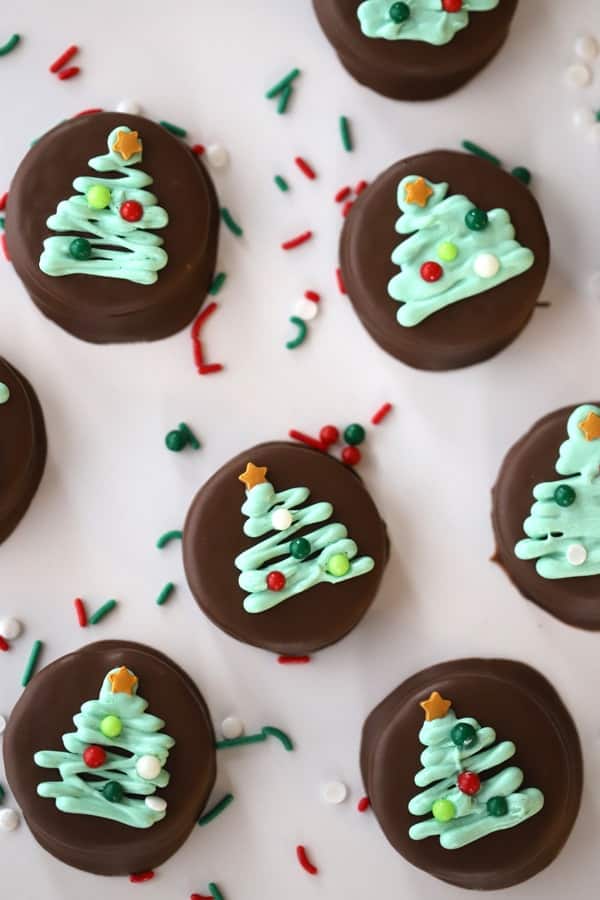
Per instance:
x=591, y=426
x=418, y=192
x=435, y=707
x=253, y=475
x=122, y=681
x=127, y=144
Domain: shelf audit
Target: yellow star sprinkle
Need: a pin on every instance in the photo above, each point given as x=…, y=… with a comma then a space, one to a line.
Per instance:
x=127, y=144
x=253, y=475
x=591, y=426
x=435, y=707
x=122, y=681
x=418, y=192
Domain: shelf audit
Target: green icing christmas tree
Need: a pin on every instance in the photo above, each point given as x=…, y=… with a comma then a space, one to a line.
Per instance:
x=104, y=228
x=96, y=782
x=456, y=251
x=563, y=529
x=285, y=563
x=463, y=807
x=431, y=21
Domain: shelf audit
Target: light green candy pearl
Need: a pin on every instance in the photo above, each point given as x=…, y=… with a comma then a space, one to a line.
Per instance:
x=338, y=565
x=98, y=196
x=447, y=251
x=443, y=810
x=4, y=393
x=111, y=726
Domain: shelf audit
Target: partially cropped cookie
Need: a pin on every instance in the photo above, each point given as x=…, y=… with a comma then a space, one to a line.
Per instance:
x=110, y=753
x=22, y=447
x=473, y=769
x=418, y=49
x=546, y=515
x=112, y=224
x=284, y=548
x=444, y=257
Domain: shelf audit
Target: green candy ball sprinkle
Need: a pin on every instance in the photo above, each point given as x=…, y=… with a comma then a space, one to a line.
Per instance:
x=522, y=174
x=354, y=434
x=399, y=12
x=564, y=495
x=113, y=791
x=476, y=219
x=176, y=441
x=4, y=393
x=300, y=548
x=338, y=565
x=80, y=249
x=111, y=726
x=447, y=251
x=443, y=810
x=497, y=806
x=463, y=735
x=98, y=196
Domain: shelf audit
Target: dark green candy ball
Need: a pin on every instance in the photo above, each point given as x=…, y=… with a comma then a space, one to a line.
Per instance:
x=564, y=495
x=113, y=791
x=476, y=219
x=522, y=174
x=497, y=806
x=175, y=441
x=399, y=12
x=463, y=735
x=300, y=548
x=80, y=249
x=354, y=435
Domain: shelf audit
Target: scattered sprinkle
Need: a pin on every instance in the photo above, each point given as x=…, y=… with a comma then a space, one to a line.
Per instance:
x=198, y=149
x=139, y=877
x=302, y=332
x=216, y=810
x=297, y=241
x=578, y=75
x=88, y=112
x=9, y=819
x=132, y=107
x=284, y=100
x=177, y=130
x=340, y=281
x=305, y=439
x=215, y=893
x=4, y=645
x=281, y=183
x=167, y=537
x=1, y=788
x=479, y=151
x=312, y=295
x=334, y=792
x=343, y=194
x=217, y=284
x=267, y=731
x=63, y=59
x=202, y=368
x=2, y=729
x=71, y=72
x=11, y=628
x=522, y=174
x=381, y=413
x=305, y=168
x=102, y=612
x=31, y=663
x=306, y=309
x=210, y=369
x=231, y=223
x=587, y=47
x=81, y=613
x=345, y=134
x=3, y=200
x=293, y=660
x=281, y=736
x=165, y=593
x=363, y=804
x=304, y=861
x=10, y=45
x=181, y=437
x=217, y=156
x=281, y=85
x=232, y=727
x=347, y=207
x=4, y=247
x=360, y=187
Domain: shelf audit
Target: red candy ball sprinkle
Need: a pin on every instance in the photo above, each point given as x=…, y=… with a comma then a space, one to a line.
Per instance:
x=351, y=456
x=329, y=435
x=431, y=271
x=131, y=211
x=452, y=5
x=276, y=581
x=469, y=783
x=94, y=756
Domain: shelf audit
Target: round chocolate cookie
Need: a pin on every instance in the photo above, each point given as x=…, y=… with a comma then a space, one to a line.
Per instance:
x=22, y=447
x=488, y=218
x=112, y=809
x=533, y=461
x=304, y=539
x=489, y=760
x=147, y=218
x=413, y=69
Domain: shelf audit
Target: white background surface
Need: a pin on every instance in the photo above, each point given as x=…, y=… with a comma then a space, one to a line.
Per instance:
x=111, y=487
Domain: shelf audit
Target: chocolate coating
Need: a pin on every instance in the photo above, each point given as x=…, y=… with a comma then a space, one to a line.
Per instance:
x=213, y=537
x=45, y=712
x=22, y=448
x=106, y=310
x=466, y=332
x=532, y=460
x=414, y=70
x=521, y=706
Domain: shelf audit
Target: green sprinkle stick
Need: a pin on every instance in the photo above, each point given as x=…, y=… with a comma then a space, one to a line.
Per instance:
x=284, y=99
x=281, y=183
x=231, y=223
x=280, y=735
x=218, y=282
x=1, y=794
x=522, y=174
x=479, y=151
x=165, y=593
x=215, y=892
x=167, y=537
x=190, y=436
x=283, y=84
x=345, y=134
x=237, y=742
x=103, y=611
x=31, y=663
x=10, y=45
x=2, y=223
x=216, y=810
x=174, y=129
x=302, y=332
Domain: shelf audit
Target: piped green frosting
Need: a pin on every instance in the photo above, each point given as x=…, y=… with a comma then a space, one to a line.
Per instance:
x=427, y=20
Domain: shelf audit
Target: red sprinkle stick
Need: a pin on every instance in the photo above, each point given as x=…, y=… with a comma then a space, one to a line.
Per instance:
x=361, y=186
x=81, y=613
x=138, y=877
x=200, y=897
x=293, y=660
x=305, y=168
x=201, y=319
x=347, y=207
x=305, y=439
x=64, y=58
x=88, y=112
x=340, y=281
x=363, y=804
x=312, y=295
x=71, y=72
x=3, y=200
x=304, y=861
x=4, y=247
x=343, y=194
x=203, y=369
x=210, y=369
x=381, y=413
x=4, y=645
x=295, y=242
x=198, y=149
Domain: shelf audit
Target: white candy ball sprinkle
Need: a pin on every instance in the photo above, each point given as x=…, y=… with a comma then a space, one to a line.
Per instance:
x=587, y=47
x=306, y=309
x=156, y=804
x=486, y=265
x=148, y=767
x=593, y=134
x=281, y=519
x=576, y=554
x=595, y=285
x=232, y=728
x=217, y=156
x=584, y=117
x=2, y=724
x=132, y=107
x=334, y=792
x=9, y=819
x=10, y=628
x=578, y=75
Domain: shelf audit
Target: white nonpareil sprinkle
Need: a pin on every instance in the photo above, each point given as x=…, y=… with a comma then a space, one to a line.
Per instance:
x=232, y=728
x=9, y=819
x=578, y=75
x=587, y=47
x=576, y=554
x=334, y=792
x=217, y=156
x=10, y=628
